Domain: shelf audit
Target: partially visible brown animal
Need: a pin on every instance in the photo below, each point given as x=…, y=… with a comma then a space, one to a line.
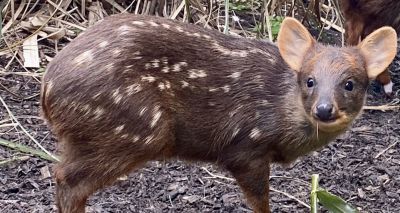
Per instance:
x=133, y=89
x=362, y=17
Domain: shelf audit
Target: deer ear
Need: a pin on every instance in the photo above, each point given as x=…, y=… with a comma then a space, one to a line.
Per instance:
x=379, y=49
x=294, y=41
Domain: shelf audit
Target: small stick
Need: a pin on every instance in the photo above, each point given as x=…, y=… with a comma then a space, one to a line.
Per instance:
x=290, y=196
x=21, y=158
x=383, y=151
x=26, y=132
x=272, y=189
x=381, y=108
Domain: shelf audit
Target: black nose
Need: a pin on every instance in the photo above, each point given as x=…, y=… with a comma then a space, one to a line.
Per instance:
x=324, y=111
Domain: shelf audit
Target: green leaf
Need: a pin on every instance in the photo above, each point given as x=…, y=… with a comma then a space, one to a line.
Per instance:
x=334, y=203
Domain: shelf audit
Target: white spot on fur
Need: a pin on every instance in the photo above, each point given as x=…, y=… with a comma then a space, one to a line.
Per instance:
x=125, y=29
x=153, y=24
x=167, y=84
x=196, y=73
x=155, y=63
x=103, y=44
x=161, y=86
x=211, y=103
x=264, y=102
x=124, y=136
x=142, y=111
x=178, y=66
x=134, y=88
x=226, y=88
x=135, y=138
x=184, y=84
x=117, y=96
x=272, y=60
x=86, y=109
x=147, y=66
x=212, y=89
x=165, y=70
x=226, y=51
x=138, y=23
x=148, y=78
x=259, y=81
x=156, y=116
x=164, y=60
x=148, y=139
x=236, y=110
x=255, y=133
x=97, y=95
x=258, y=51
x=137, y=56
x=192, y=34
x=98, y=112
x=235, y=131
x=84, y=57
x=166, y=26
x=206, y=36
x=116, y=51
x=179, y=29
x=235, y=75
x=109, y=67
x=119, y=129
x=49, y=87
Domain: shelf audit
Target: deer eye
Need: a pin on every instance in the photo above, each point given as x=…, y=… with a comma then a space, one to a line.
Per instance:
x=349, y=86
x=310, y=82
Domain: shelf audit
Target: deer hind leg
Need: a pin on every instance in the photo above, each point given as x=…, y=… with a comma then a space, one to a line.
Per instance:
x=83, y=171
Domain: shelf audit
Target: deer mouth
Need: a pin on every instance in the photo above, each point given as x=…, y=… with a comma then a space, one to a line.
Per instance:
x=335, y=124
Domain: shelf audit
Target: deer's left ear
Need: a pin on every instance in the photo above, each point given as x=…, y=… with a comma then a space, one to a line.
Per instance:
x=379, y=49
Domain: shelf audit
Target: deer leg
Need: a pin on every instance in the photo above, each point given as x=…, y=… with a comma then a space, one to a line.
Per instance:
x=253, y=179
x=79, y=174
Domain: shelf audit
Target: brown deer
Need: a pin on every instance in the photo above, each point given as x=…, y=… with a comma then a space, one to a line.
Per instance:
x=133, y=89
x=362, y=17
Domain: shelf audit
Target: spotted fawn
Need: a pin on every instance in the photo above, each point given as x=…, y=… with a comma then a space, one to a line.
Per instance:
x=133, y=89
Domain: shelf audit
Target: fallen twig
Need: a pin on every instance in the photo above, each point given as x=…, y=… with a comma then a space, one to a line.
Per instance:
x=26, y=132
x=21, y=158
x=382, y=107
x=383, y=151
x=271, y=189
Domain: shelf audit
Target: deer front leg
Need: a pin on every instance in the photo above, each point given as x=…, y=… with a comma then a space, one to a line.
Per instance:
x=253, y=179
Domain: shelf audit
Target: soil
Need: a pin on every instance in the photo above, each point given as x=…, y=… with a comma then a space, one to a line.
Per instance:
x=362, y=166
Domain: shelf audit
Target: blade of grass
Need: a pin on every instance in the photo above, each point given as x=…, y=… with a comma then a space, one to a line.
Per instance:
x=314, y=188
x=27, y=149
x=226, y=28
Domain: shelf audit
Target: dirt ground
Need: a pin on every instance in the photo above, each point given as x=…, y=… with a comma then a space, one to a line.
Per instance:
x=363, y=167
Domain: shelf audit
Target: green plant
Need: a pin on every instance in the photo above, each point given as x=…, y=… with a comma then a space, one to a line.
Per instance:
x=244, y=5
x=275, y=21
x=328, y=200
